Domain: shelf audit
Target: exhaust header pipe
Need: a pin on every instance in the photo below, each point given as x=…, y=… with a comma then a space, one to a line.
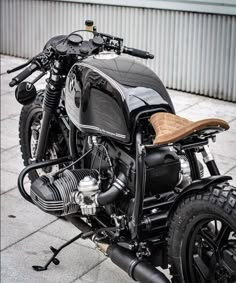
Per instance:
x=139, y=270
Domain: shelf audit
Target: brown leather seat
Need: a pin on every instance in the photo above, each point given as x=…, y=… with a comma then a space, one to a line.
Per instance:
x=170, y=128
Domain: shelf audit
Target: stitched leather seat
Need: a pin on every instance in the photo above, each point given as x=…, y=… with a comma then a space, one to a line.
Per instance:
x=170, y=128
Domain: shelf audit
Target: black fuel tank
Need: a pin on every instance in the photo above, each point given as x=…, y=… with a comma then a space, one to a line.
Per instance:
x=106, y=93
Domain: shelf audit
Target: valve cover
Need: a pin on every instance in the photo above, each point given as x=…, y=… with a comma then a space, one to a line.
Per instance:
x=54, y=195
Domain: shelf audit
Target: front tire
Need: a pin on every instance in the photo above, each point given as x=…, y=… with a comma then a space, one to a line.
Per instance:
x=29, y=115
x=202, y=237
x=29, y=130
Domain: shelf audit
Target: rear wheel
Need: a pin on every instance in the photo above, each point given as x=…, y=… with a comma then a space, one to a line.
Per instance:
x=202, y=238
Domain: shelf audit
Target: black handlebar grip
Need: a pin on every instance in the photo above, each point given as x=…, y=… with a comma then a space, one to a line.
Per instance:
x=24, y=74
x=138, y=53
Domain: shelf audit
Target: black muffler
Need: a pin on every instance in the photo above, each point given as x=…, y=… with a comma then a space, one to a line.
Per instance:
x=138, y=269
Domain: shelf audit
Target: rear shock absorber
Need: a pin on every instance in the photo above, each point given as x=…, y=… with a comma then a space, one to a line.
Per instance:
x=209, y=160
x=51, y=102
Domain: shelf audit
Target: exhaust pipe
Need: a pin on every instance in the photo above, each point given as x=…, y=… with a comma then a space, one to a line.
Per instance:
x=139, y=270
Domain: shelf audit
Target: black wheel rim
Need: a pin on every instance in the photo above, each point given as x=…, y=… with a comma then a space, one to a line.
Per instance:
x=34, y=118
x=209, y=251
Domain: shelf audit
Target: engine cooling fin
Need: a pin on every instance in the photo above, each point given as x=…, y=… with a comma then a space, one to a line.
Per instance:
x=54, y=195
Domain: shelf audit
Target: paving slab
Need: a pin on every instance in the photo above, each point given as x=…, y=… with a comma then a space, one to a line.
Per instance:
x=16, y=193
x=5, y=89
x=9, y=106
x=9, y=133
x=233, y=125
x=211, y=108
x=11, y=160
x=232, y=173
x=65, y=231
x=224, y=163
x=105, y=272
x=225, y=144
x=8, y=181
x=15, y=118
x=19, y=219
x=9, y=62
x=183, y=100
x=75, y=261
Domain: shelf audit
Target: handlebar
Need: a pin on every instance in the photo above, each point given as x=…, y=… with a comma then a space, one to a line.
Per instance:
x=128, y=50
x=42, y=60
x=24, y=74
x=137, y=53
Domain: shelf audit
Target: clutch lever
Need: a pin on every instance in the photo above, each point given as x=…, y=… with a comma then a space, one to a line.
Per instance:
x=112, y=37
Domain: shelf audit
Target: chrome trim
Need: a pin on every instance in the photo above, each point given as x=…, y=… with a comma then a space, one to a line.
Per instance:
x=106, y=55
x=206, y=154
x=96, y=129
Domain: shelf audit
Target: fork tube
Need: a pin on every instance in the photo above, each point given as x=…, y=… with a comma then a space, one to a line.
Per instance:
x=43, y=137
x=51, y=102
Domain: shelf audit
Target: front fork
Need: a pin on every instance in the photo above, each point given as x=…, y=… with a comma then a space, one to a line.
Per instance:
x=50, y=105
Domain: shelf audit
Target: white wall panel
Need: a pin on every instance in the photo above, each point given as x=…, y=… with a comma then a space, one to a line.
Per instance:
x=194, y=52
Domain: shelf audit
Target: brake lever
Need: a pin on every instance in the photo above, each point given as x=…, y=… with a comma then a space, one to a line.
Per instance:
x=19, y=67
x=41, y=58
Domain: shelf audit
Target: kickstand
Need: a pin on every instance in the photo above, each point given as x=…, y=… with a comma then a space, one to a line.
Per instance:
x=56, y=252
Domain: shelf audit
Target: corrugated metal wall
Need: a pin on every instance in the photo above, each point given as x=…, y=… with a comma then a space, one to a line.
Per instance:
x=193, y=52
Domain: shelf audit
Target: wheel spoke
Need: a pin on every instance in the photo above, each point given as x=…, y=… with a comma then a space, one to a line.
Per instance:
x=216, y=227
x=222, y=235
x=201, y=269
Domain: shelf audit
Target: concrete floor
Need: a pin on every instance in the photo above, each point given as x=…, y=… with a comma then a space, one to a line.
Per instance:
x=27, y=233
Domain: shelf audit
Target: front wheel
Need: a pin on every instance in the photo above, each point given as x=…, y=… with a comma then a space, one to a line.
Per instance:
x=202, y=238
x=29, y=130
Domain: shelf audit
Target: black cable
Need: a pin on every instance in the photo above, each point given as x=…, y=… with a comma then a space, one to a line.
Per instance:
x=100, y=163
x=72, y=164
x=94, y=157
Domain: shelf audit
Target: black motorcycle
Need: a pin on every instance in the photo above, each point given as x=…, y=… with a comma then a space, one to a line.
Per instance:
x=104, y=149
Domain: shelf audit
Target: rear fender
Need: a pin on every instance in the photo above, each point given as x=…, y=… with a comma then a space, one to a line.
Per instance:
x=202, y=185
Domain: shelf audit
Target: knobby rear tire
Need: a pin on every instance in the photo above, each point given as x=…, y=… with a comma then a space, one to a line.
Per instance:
x=220, y=203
